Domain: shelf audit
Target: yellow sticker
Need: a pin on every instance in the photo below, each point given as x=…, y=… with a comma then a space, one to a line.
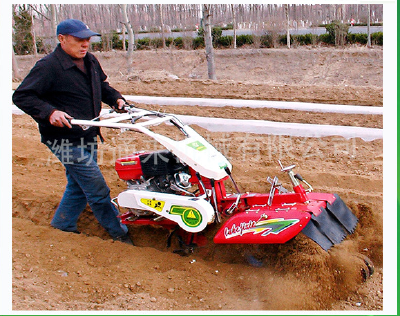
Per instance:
x=128, y=163
x=155, y=204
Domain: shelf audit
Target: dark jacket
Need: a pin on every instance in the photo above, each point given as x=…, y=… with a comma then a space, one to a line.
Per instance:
x=56, y=83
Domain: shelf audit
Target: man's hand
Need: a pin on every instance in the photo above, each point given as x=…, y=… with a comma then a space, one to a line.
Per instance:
x=121, y=103
x=60, y=119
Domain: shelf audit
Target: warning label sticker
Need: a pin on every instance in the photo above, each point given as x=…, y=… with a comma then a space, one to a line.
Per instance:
x=154, y=204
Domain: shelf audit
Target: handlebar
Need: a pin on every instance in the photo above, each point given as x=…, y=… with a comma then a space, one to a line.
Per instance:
x=128, y=107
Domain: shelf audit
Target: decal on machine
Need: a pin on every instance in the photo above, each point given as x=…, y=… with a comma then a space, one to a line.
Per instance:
x=154, y=204
x=197, y=145
x=128, y=163
x=190, y=216
x=263, y=227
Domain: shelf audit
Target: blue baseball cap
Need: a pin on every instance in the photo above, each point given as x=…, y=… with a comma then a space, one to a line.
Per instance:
x=75, y=28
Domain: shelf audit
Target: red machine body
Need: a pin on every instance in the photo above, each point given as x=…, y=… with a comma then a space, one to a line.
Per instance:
x=248, y=218
x=129, y=167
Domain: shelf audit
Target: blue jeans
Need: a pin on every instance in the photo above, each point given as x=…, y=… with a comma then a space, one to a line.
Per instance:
x=86, y=185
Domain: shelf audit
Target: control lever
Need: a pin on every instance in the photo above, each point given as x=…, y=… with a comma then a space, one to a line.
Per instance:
x=214, y=193
x=228, y=172
x=299, y=177
x=289, y=170
x=297, y=187
x=274, y=186
x=202, y=185
x=280, y=187
x=234, y=205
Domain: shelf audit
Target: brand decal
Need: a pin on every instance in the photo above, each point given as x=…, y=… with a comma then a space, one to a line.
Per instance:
x=154, y=204
x=197, y=145
x=190, y=216
x=127, y=163
x=263, y=227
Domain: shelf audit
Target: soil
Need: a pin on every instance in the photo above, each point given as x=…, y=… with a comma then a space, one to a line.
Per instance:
x=55, y=270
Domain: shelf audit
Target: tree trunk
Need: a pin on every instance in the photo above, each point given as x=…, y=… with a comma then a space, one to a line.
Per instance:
x=131, y=39
x=368, y=26
x=234, y=25
x=123, y=37
x=15, y=70
x=208, y=42
x=33, y=35
x=162, y=26
x=53, y=21
x=287, y=25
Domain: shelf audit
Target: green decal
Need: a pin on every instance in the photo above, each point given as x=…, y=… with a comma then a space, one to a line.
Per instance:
x=197, y=145
x=190, y=216
x=272, y=226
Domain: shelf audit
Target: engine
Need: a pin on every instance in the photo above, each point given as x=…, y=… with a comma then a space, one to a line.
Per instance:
x=159, y=171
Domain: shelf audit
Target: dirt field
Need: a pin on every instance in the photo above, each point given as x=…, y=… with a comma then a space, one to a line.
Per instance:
x=54, y=270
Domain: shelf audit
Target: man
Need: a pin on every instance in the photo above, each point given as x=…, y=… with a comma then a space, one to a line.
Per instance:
x=70, y=83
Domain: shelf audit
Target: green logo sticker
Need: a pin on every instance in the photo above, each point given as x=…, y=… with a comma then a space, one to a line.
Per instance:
x=197, y=145
x=190, y=216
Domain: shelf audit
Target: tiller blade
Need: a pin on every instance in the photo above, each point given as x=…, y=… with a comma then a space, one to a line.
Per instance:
x=332, y=225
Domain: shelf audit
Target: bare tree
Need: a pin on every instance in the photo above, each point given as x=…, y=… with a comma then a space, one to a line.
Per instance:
x=234, y=25
x=123, y=31
x=15, y=70
x=287, y=25
x=33, y=34
x=368, y=26
x=131, y=38
x=53, y=21
x=208, y=42
x=162, y=25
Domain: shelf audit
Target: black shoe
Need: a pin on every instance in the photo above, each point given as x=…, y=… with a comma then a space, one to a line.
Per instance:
x=125, y=238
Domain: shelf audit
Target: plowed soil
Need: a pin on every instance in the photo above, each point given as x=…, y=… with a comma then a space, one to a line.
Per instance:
x=54, y=270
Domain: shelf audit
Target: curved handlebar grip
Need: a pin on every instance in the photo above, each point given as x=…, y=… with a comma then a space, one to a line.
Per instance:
x=288, y=168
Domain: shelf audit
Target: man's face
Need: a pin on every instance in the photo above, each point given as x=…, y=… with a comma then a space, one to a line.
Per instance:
x=74, y=46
